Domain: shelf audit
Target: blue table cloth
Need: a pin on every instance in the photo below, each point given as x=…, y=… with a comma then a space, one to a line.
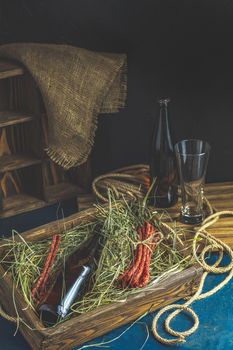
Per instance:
x=214, y=333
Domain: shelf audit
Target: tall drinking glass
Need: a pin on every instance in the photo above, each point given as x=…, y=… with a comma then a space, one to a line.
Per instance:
x=192, y=158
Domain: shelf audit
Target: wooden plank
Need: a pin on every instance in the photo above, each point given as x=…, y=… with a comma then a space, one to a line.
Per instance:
x=20, y=203
x=220, y=196
x=59, y=226
x=13, y=162
x=218, y=186
x=9, y=69
x=8, y=118
x=61, y=191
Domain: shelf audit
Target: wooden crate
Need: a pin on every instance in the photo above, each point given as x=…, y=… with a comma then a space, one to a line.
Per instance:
x=87, y=326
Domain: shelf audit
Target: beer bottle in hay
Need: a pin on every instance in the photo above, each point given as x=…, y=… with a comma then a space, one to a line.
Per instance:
x=71, y=283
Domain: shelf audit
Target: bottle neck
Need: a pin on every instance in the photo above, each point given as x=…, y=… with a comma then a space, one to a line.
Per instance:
x=163, y=128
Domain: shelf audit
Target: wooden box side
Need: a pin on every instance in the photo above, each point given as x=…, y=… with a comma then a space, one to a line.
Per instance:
x=60, y=226
x=12, y=300
x=88, y=326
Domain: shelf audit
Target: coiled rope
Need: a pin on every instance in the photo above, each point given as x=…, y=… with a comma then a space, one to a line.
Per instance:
x=214, y=243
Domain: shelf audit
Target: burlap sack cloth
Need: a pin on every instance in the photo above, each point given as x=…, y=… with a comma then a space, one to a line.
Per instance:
x=76, y=85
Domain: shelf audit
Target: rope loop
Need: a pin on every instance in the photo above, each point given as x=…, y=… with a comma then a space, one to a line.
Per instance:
x=215, y=268
x=180, y=335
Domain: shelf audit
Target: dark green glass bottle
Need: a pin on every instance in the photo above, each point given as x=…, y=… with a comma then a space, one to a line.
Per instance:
x=163, y=171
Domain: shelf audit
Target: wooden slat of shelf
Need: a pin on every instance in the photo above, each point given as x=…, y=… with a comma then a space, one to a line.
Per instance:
x=8, y=118
x=13, y=162
x=8, y=70
x=61, y=191
x=20, y=203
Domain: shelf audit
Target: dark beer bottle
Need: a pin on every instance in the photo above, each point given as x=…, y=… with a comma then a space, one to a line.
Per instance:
x=163, y=173
x=70, y=282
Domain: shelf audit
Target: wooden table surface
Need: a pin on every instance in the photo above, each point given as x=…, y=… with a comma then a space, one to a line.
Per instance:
x=220, y=195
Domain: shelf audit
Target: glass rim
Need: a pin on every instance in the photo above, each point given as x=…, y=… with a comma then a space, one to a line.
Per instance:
x=192, y=154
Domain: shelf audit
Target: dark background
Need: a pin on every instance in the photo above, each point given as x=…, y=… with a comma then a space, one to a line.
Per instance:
x=176, y=48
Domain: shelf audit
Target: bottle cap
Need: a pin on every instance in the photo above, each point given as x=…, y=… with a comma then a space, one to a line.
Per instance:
x=164, y=101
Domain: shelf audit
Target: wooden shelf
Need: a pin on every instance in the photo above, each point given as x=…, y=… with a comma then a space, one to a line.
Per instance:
x=9, y=70
x=13, y=162
x=61, y=191
x=8, y=118
x=20, y=203
x=25, y=168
